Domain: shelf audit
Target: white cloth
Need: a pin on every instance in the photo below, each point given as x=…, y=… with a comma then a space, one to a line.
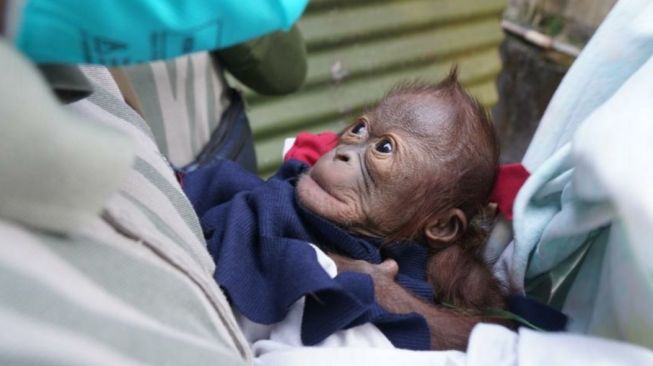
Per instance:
x=489, y=345
x=495, y=345
x=286, y=334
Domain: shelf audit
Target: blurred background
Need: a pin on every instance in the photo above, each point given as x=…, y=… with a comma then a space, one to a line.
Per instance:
x=511, y=55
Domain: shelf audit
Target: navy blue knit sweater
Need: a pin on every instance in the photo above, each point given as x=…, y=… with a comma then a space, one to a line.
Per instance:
x=258, y=235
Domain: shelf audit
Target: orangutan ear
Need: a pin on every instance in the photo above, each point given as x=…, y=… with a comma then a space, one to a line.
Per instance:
x=444, y=229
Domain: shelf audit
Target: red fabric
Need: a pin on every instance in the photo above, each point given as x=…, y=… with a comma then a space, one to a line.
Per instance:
x=309, y=148
x=509, y=180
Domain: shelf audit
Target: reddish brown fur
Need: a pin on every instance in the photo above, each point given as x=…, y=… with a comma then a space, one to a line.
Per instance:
x=468, y=153
x=452, y=167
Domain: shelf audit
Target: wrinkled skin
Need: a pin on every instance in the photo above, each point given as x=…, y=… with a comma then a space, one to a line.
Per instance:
x=381, y=159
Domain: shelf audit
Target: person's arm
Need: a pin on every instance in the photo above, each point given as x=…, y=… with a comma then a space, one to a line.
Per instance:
x=449, y=329
x=270, y=65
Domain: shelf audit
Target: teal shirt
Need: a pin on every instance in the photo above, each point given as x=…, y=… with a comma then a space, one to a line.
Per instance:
x=116, y=33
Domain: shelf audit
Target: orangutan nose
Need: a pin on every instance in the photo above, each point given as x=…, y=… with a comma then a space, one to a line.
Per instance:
x=344, y=156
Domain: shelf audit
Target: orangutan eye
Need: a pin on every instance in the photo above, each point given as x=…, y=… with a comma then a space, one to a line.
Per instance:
x=384, y=146
x=359, y=129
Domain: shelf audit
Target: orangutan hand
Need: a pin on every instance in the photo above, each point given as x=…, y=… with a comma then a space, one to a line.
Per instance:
x=387, y=270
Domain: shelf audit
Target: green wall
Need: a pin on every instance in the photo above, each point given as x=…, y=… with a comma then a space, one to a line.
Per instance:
x=360, y=48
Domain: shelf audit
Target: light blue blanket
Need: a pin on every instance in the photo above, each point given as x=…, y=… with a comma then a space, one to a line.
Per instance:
x=583, y=222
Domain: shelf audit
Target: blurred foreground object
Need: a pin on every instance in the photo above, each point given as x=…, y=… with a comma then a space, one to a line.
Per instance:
x=115, y=33
x=102, y=261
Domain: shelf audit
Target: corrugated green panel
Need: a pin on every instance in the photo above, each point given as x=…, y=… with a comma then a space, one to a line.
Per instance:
x=389, y=53
x=386, y=18
x=359, y=49
x=312, y=106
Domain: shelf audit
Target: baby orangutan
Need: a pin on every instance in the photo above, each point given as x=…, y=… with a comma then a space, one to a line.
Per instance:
x=395, y=199
x=418, y=166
